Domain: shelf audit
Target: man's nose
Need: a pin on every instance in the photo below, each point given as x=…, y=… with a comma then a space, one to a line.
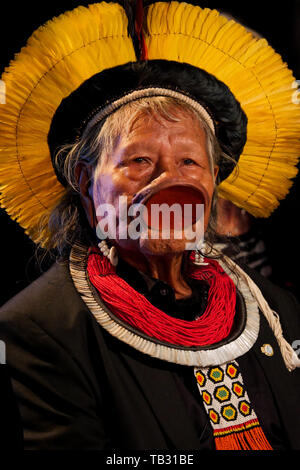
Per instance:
x=165, y=167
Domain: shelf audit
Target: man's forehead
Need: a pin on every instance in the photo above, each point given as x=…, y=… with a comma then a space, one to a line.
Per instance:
x=174, y=116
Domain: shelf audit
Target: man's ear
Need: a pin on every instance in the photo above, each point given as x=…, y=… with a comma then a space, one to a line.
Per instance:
x=83, y=175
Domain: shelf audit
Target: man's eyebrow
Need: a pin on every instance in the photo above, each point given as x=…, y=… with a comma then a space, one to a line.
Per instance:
x=132, y=146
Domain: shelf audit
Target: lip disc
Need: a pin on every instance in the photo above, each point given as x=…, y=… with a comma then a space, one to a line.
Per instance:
x=174, y=207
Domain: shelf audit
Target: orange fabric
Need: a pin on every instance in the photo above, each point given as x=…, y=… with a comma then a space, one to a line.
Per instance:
x=247, y=439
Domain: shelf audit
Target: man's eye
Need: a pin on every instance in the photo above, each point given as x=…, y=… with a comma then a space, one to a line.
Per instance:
x=188, y=161
x=140, y=160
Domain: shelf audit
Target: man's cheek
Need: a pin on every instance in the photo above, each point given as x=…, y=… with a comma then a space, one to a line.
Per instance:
x=103, y=190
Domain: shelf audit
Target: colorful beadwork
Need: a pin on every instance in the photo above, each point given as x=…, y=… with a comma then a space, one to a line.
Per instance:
x=229, y=409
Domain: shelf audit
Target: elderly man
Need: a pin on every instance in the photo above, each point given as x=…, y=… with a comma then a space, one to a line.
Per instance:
x=134, y=339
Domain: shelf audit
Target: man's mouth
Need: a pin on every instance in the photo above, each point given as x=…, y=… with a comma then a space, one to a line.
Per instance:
x=174, y=202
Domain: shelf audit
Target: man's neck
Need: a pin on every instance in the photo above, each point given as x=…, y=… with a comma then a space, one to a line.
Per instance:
x=166, y=268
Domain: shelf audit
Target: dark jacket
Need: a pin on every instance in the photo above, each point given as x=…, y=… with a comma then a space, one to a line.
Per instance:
x=80, y=388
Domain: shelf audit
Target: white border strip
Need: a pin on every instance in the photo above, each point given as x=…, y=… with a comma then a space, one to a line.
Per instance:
x=150, y=92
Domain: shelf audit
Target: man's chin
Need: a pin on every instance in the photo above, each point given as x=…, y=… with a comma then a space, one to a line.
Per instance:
x=161, y=247
x=158, y=243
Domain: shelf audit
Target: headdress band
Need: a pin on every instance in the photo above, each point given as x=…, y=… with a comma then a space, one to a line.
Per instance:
x=150, y=92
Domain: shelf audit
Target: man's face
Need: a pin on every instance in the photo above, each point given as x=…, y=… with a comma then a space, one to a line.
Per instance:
x=154, y=155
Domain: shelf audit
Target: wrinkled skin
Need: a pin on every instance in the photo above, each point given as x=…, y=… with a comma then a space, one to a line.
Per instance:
x=154, y=153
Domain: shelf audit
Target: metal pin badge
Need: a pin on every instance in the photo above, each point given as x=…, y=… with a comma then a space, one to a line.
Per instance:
x=267, y=349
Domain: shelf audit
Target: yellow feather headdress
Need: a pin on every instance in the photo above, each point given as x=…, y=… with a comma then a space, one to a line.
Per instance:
x=71, y=48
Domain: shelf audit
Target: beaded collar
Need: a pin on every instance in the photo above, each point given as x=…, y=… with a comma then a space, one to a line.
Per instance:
x=216, y=354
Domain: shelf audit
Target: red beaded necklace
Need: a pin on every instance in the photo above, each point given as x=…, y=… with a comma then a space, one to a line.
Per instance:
x=133, y=308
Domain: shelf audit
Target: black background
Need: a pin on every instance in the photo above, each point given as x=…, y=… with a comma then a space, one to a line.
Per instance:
x=279, y=22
